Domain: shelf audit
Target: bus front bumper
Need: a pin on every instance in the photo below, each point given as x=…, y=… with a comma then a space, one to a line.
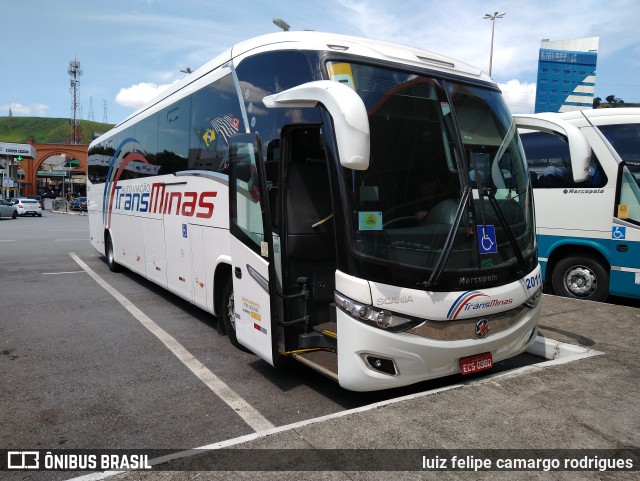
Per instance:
x=412, y=358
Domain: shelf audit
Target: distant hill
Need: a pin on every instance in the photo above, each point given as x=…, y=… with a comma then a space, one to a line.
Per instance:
x=46, y=130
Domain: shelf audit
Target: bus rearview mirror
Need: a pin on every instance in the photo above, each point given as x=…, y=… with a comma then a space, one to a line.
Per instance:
x=579, y=148
x=347, y=110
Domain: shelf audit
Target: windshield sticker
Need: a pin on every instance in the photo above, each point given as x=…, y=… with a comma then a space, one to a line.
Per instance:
x=341, y=72
x=623, y=211
x=446, y=110
x=225, y=126
x=487, y=239
x=370, y=220
x=208, y=137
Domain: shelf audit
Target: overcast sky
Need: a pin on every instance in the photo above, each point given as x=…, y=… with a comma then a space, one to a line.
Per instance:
x=131, y=49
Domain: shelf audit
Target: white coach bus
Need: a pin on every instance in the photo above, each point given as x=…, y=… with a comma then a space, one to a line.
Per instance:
x=585, y=170
x=360, y=206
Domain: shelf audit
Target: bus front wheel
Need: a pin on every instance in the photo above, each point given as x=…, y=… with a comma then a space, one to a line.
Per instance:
x=229, y=314
x=581, y=277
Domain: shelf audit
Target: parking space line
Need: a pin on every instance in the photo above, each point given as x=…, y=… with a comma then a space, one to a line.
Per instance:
x=58, y=273
x=247, y=412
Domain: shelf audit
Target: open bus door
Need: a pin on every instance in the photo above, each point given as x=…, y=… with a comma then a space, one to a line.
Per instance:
x=251, y=246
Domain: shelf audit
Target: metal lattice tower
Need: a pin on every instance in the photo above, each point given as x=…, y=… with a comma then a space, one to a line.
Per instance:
x=90, y=114
x=104, y=116
x=75, y=72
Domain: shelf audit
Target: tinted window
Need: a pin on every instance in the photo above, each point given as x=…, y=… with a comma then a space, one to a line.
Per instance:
x=146, y=135
x=173, y=137
x=215, y=116
x=550, y=162
x=98, y=162
x=267, y=74
x=625, y=138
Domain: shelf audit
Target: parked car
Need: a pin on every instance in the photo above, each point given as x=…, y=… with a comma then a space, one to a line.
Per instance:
x=79, y=203
x=8, y=210
x=49, y=195
x=38, y=198
x=27, y=206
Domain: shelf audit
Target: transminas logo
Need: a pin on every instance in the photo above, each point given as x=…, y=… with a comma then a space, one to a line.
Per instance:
x=472, y=300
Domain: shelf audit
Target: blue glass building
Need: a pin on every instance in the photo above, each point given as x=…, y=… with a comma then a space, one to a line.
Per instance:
x=566, y=75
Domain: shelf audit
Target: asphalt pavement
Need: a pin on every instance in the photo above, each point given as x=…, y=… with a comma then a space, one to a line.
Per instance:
x=586, y=409
x=78, y=371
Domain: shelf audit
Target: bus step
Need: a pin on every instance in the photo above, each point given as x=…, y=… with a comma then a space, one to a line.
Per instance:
x=323, y=336
x=324, y=362
x=328, y=329
x=316, y=339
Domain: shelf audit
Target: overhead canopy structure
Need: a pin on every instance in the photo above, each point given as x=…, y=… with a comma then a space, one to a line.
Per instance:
x=17, y=150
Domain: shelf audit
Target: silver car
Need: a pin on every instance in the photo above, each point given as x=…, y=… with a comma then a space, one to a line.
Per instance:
x=8, y=210
x=27, y=206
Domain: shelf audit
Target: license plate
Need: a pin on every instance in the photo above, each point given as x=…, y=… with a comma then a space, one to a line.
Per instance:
x=471, y=364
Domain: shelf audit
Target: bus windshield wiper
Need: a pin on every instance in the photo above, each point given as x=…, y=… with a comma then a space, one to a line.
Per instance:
x=448, y=245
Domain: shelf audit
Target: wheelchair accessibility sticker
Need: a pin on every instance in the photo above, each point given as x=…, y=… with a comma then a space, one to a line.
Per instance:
x=618, y=232
x=487, y=239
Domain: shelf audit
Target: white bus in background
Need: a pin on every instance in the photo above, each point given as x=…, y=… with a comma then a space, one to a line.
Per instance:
x=315, y=192
x=585, y=169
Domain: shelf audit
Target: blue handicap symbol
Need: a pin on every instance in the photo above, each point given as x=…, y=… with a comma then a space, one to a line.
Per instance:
x=487, y=239
x=618, y=232
x=184, y=230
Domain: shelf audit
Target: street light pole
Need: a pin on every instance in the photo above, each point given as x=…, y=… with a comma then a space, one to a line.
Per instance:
x=488, y=16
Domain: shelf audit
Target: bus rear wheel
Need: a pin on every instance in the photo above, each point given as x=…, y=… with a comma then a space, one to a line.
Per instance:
x=581, y=277
x=111, y=260
x=229, y=314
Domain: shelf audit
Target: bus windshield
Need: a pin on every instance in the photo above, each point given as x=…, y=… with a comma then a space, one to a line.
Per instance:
x=431, y=140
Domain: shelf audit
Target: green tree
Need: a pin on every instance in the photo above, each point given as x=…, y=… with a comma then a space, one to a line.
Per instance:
x=596, y=102
x=612, y=99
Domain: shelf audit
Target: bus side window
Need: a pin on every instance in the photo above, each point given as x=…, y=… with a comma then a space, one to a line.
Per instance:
x=173, y=137
x=215, y=116
x=548, y=160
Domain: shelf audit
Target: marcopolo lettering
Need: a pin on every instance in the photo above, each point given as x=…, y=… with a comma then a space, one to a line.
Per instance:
x=583, y=191
x=467, y=281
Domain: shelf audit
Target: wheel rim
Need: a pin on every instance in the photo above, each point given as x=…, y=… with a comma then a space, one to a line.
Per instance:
x=231, y=311
x=110, y=251
x=580, y=281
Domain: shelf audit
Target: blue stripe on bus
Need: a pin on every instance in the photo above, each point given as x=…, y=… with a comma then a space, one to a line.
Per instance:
x=621, y=283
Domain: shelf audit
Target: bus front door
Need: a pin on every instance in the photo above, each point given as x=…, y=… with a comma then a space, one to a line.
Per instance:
x=250, y=247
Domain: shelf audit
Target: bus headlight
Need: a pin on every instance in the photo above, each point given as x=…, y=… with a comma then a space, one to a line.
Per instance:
x=383, y=319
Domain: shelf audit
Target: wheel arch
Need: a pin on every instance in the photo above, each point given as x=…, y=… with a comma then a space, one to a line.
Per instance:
x=222, y=272
x=573, y=249
x=105, y=234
